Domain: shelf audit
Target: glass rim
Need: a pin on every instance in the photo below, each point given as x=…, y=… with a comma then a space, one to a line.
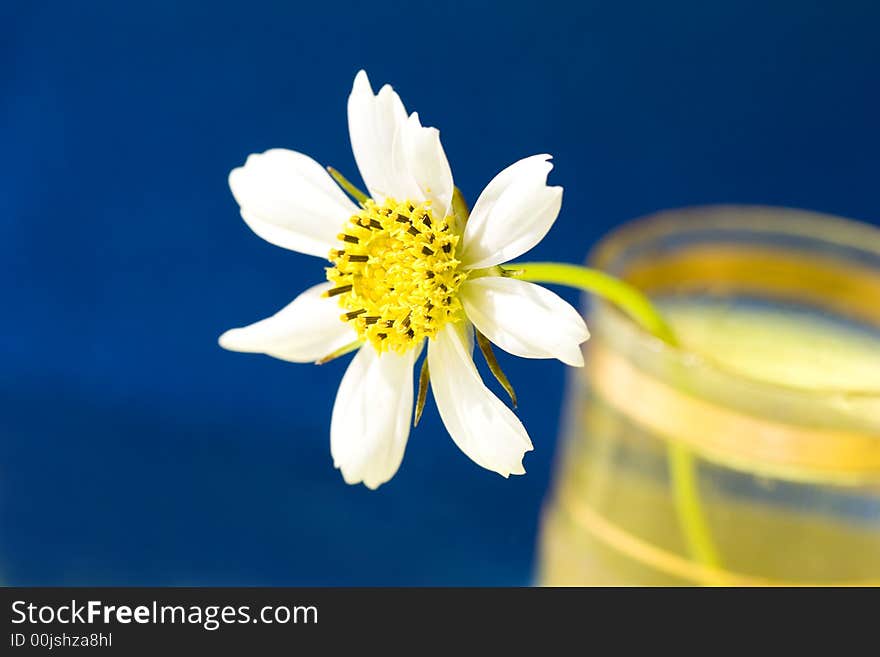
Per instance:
x=760, y=219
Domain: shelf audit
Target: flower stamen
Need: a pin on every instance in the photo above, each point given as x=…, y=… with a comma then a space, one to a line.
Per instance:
x=397, y=274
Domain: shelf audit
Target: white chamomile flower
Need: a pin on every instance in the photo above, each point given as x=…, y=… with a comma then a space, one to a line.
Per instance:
x=404, y=268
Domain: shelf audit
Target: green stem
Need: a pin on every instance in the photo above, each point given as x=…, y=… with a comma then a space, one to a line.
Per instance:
x=682, y=468
x=625, y=296
x=686, y=493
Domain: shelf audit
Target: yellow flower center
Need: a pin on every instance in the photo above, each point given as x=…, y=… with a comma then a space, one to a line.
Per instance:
x=397, y=274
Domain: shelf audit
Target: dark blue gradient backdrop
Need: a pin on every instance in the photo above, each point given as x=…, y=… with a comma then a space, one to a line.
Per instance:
x=133, y=450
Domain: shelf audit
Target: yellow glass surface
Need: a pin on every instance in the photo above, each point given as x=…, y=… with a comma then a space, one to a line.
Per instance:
x=775, y=392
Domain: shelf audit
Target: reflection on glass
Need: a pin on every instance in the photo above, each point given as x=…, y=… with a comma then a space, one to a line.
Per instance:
x=775, y=394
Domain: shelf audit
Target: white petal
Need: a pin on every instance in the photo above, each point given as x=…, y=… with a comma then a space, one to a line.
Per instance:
x=288, y=199
x=421, y=170
x=373, y=120
x=304, y=331
x=481, y=425
x=512, y=215
x=372, y=415
x=525, y=319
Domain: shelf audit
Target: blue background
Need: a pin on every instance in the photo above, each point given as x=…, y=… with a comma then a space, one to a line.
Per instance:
x=133, y=450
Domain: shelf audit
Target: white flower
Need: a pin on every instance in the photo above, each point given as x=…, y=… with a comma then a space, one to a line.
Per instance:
x=404, y=270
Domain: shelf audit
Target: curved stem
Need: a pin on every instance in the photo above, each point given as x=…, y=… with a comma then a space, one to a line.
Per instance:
x=625, y=296
x=682, y=468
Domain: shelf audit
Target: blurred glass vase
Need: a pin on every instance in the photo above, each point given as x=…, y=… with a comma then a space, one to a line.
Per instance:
x=750, y=455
